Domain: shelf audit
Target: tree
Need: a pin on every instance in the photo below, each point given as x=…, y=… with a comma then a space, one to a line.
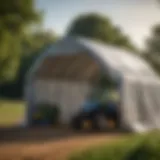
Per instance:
x=152, y=51
x=15, y=17
x=34, y=41
x=17, y=14
x=34, y=44
x=101, y=28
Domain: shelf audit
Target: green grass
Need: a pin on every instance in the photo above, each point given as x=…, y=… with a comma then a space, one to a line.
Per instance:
x=11, y=112
x=137, y=147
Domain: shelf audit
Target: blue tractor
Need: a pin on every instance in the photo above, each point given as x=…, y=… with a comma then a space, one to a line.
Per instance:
x=102, y=107
x=100, y=115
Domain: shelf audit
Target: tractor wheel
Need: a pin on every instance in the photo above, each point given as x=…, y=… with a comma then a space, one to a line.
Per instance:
x=87, y=125
x=111, y=124
x=76, y=123
x=101, y=122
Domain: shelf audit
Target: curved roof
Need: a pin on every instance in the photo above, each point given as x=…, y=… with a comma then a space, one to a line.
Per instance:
x=117, y=62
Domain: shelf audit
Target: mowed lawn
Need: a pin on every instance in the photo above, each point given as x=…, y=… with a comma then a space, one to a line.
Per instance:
x=11, y=112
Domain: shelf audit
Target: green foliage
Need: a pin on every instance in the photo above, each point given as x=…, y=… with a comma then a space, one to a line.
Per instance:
x=154, y=40
x=35, y=41
x=106, y=82
x=149, y=149
x=103, y=87
x=140, y=147
x=152, y=53
x=9, y=56
x=14, y=89
x=48, y=112
x=20, y=44
x=97, y=27
x=15, y=17
x=16, y=14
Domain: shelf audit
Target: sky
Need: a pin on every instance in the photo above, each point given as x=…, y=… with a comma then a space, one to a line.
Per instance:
x=134, y=17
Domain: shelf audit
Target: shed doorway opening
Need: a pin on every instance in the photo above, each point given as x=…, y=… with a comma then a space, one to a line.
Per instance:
x=101, y=109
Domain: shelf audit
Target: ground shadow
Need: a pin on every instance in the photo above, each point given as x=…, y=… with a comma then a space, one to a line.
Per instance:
x=39, y=135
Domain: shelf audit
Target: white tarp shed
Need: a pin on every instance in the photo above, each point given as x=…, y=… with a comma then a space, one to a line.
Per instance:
x=140, y=85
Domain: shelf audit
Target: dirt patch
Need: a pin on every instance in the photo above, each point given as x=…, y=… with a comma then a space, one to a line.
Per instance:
x=56, y=150
x=52, y=149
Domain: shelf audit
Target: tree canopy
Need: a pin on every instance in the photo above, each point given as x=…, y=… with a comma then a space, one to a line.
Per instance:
x=34, y=41
x=153, y=41
x=15, y=16
x=101, y=28
x=32, y=46
x=152, y=52
x=22, y=40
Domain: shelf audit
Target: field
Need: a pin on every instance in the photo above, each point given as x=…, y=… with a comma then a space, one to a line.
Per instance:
x=55, y=144
x=11, y=112
x=40, y=143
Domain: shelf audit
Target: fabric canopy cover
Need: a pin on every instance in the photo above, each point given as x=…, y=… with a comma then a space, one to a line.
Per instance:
x=140, y=85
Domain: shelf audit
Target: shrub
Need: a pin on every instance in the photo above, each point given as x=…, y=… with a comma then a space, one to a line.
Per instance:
x=48, y=112
x=141, y=147
x=148, y=149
